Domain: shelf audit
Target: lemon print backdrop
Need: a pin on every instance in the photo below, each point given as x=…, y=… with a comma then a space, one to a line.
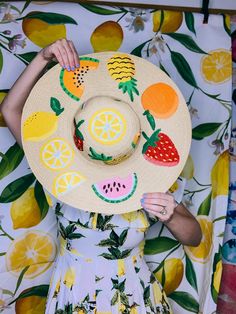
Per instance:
x=197, y=57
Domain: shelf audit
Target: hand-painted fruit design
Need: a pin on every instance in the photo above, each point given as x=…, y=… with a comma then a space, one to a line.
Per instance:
x=65, y=182
x=107, y=126
x=173, y=269
x=25, y=211
x=167, y=21
x=136, y=140
x=216, y=66
x=108, y=36
x=160, y=150
x=33, y=248
x=40, y=32
x=122, y=69
x=220, y=175
x=72, y=82
x=56, y=154
x=202, y=252
x=161, y=100
x=116, y=190
x=39, y=125
x=188, y=171
x=31, y=303
x=78, y=136
x=117, y=160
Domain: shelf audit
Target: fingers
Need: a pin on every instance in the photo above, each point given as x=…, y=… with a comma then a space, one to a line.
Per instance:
x=75, y=54
x=158, y=195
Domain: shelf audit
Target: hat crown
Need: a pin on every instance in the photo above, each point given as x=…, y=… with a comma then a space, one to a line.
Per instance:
x=109, y=128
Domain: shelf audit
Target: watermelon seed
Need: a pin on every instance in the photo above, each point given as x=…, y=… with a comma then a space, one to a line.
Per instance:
x=109, y=185
x=119, y=185
x=114, y=184
x=106, y=191
x=123, y=186
x=110, y=189
x=104, y=186
x=117, y=189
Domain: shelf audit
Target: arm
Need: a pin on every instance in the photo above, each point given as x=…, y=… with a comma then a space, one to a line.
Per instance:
x=12, y=105
x=180, y=222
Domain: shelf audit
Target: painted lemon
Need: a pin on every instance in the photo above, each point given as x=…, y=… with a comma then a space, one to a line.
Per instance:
x=121, y=267
x=56, y=154
x=171, y=21
x=34, y=248
x=107, y=37
x=69, y=278
x=220, y=175
x=39, y=125
x=30, y=305
x=66, y=182
x=25, y=212
x=217, y=276
x=2, y=122
x=174, y=270
x=202, y=252
x=188, y=171
x=107, y=126
x=42, y=33
x=216, y=67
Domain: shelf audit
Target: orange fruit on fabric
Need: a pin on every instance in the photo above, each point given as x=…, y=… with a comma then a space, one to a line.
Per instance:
x=107, y=37
x=161, y=100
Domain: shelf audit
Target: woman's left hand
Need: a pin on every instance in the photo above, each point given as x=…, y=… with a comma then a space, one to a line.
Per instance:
x=159, y=204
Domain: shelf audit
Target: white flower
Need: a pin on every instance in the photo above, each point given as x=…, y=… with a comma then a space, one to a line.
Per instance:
x=5, y=9
x=137, y=19
x=193, y=112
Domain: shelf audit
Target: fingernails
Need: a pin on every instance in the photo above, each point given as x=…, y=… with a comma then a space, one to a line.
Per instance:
x=64, y=67
x=77, y=65
x=72, y=68
x=68, y=68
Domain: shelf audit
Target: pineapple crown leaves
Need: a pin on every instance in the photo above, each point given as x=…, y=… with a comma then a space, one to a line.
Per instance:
x=96, y=156
x=150, y=141
x=56, y=106
x=150, y=119
x=77, y=131
x=129, y=87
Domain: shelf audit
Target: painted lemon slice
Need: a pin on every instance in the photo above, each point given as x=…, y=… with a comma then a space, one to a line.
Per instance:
x=56, y=154
x=107, y=126
x=66, y=182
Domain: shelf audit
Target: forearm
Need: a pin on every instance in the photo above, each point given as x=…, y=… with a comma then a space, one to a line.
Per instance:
x=185, y=228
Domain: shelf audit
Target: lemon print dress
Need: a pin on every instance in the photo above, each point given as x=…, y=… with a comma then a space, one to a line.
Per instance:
x=100, y=267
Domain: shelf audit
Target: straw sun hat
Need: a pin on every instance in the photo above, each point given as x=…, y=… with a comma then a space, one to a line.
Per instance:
x=98, y=137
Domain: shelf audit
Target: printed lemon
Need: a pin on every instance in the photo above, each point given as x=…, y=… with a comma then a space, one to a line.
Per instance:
x=188, y=171
x=121, y=267
x=157, y=293
x=30, y=305
x=217, y=276
x=35, y=249
x=174, y=270
x=171, y=21
x=220, y=175
x=131, y=216
x=2, y=122
x=39, y=125
x=133, y=309
x=40, y=32
x=202, y=252
x=66, y=182
x=107, y=37
x=216, y=67
x=25, y=212
x=107, y=127
x=56, y=154
x=69, y=278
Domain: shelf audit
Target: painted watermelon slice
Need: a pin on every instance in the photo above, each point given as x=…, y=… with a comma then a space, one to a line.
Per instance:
x=116, y=190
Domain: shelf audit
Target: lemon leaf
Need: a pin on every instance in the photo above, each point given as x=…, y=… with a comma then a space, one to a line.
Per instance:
x=185, y=300
x=187, y=42
x=50, y=18
x=19, y=280
x=189, y=20
x=27, y=57
x=100, y=10
x=204, y=130
x=41, y=199
x=40, y=290
x=190, y=273
x=205, y=206
x=1, y=60
x=158, y=245
x=138, y=50
x=56, y=106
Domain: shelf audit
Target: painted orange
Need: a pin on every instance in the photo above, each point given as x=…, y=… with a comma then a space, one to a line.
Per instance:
x=161, y=100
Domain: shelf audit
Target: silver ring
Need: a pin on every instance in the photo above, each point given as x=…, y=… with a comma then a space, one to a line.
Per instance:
x=163, y=211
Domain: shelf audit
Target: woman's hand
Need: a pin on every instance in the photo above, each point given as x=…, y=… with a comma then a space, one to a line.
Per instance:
x=64, y=52
x=159, y=204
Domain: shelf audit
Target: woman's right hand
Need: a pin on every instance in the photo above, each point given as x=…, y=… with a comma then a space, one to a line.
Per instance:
x=63, y=50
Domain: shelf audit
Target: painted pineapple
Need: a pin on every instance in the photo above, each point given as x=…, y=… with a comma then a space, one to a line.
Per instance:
x=122, y=69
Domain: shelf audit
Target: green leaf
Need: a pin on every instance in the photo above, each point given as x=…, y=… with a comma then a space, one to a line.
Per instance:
x=27, y=3
x=1, y=60
x=41, y=199
x=150, y=119
x=185, y=300
x=164, y=70
x=114, y=251
x=16, y=188
x=100, y=10
x=205, y=206
x=187, y=42
x=40, y=290
x=107, y=242
x=217, y=258
x=123, y=237
x=114, y=236
x=190, y=273
x=204, y=130
x=96, y=156
x=19, y=280
x=183, y=68
x=75, y=236
x=14, y=156
x=56, y=106
x=158, y=245
x=121, y=286
x=28, y=56
x=189, y=20
x=50, y=18
x=2, y=253
x=108, y=256
x=138, y=50
x=125, y=253
x=115, y=298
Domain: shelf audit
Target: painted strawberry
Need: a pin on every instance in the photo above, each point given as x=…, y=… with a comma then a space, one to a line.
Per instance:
x=78, y=136
x=160, y=150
